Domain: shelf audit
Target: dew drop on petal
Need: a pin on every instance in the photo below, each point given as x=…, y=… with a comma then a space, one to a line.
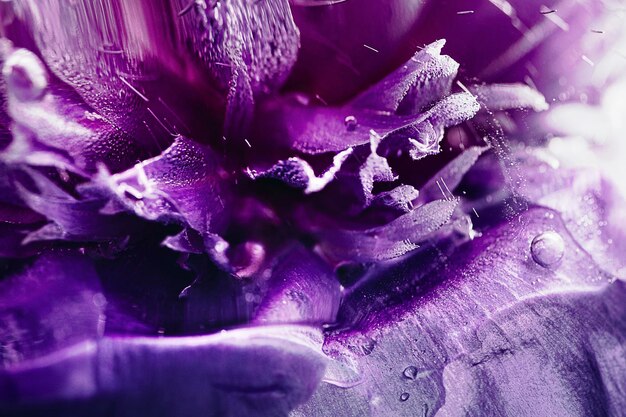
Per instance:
x=547, y=248
x=410, y=372
x=350, y=122
x=404, y=396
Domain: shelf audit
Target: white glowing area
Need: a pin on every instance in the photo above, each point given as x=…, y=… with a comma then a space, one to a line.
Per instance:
x=593, y=135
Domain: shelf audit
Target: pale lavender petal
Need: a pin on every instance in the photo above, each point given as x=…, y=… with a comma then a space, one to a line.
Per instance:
x=590, y=205
x=488, y=330
x=496, y=97
x=400, y=198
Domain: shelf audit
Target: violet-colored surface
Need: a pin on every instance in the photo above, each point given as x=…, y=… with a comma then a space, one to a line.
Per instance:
x=312, y=208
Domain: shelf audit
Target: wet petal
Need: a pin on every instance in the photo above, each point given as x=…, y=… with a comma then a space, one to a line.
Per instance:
x=495, y=97
x=182, y=185
x=51, y=125
x=245, y=372
x=400, y=198
x=411, y=104
x=301, y=289
x=391, y=240
x=488, y=329
x=162, y=67
x=591, y=207
x=450, y=176
x=418, y=84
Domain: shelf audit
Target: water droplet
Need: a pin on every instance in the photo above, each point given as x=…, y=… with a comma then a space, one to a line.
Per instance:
x=99, y=300
x=547, y=249
x=350, y=122
x=410, y=372
x=404, y=396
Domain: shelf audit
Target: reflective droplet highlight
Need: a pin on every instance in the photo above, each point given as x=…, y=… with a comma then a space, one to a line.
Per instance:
x=350, y=122
x=547, y=249
x=404, y=396
x=410, y=372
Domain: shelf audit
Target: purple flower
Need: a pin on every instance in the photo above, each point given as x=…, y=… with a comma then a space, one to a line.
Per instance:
x=257, y=208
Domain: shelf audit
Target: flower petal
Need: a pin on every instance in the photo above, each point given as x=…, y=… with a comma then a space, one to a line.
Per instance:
x=70, y=218
x=415, y=108
x=56, y=357
x=181, y=185
x=391, y=240
x=489, y=330
x=422, y=81
x=245, y=372
x=301, y=289
x=591, y=207
x=496, y=97
x=450, y=176
x=49, y=305
x=51, y=126
x=297, y=173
